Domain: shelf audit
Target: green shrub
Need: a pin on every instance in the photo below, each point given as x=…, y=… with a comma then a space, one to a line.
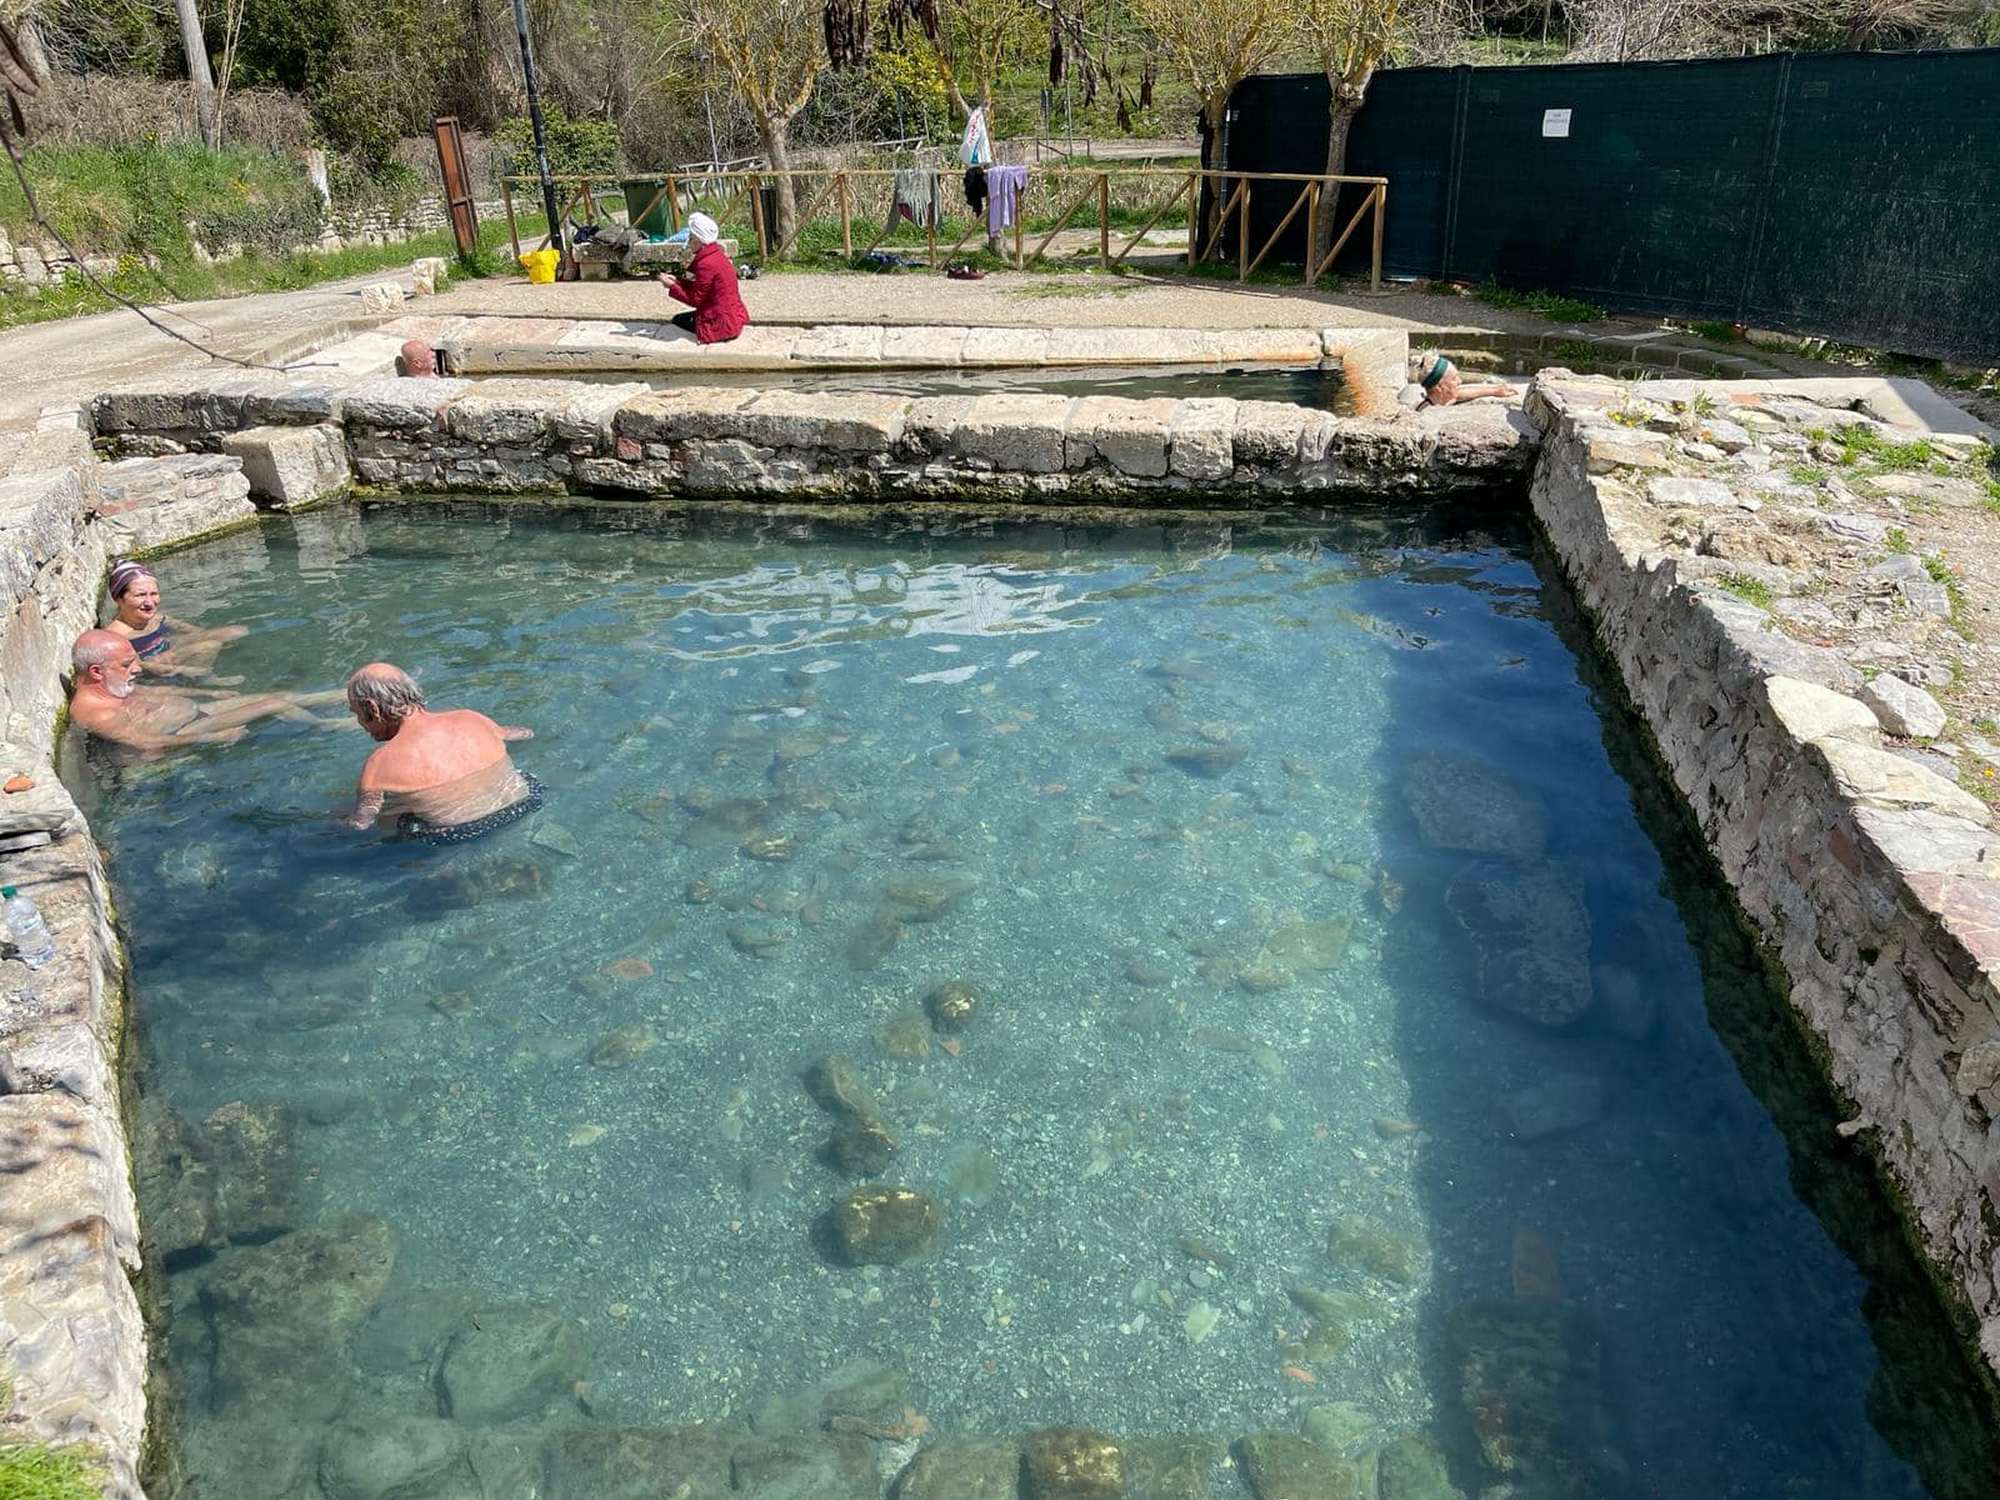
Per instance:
x=577, y=148
x=1551, y=305
x=1743, y=586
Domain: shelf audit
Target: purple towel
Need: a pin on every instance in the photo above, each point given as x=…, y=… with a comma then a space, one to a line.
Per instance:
x=1004, y=186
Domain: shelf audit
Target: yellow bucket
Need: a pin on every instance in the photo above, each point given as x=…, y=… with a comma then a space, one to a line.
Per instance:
x=541, y=266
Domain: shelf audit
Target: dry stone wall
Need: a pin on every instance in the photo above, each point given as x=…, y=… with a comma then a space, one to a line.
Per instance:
x=1871, y=876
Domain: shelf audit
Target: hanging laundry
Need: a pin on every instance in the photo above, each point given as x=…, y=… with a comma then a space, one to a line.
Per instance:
x=975, y=149
x=975, y=189
x=1004, y=186
x=914, y=196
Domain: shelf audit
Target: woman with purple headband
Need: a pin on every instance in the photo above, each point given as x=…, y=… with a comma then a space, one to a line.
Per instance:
x=136, y=594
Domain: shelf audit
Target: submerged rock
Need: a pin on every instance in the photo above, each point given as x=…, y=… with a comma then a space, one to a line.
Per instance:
x=861, y=1147
x=1531, y=936
x=927, y=900
x=1465, y=804
x=510, y=1362
x=1071, y=1463
x=1295, y=948
x=773, y=850
x=641, y=1463
x=874, y=938
x=1559, y=1102
x=907, y=1036
x=862, y=1388
x=964, y=1469
x=885, y=1226
x=385, y=1457
x=1285, y=1466
x=625, y=1045
x=1339, y=1426
x=973, y=1174
x=952, y=1005
x=1379, y=1251
x=1528, y=1386
x=463, y=887
x=174, y=1183
x=1178, y=1466
x=249, y=1151
x=756, y=939
x=1411, y=1468
x=1208, y=761
x=815, y=1466
x=838, y=1088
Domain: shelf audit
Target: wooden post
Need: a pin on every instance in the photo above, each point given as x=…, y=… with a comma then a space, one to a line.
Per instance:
x=1194, y=218
x=930, y=233
x=1312, y=235
x=1103, y=221
x=1020, y=230
x=757, y=220
x=1375, y=266
x=1243, y=234
x=673, y=206
x=846, y=222
x=513, y=228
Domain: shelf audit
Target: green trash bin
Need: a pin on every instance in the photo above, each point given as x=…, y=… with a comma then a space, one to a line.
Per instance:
x=659, y=223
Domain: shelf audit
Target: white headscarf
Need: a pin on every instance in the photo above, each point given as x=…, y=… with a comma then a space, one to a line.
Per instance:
x=702, y=229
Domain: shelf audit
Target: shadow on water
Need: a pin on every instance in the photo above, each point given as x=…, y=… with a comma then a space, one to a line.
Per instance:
x=1548, y=1341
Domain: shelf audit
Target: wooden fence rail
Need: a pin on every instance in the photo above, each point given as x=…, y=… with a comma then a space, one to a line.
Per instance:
x=1073, y=188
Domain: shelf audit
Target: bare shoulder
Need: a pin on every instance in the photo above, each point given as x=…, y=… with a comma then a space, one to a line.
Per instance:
x=378, y=770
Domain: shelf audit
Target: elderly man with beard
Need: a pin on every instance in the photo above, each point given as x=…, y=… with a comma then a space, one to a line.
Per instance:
x=107, y=703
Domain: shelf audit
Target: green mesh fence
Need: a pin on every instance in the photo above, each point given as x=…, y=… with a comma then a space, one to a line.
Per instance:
x=1852, y=195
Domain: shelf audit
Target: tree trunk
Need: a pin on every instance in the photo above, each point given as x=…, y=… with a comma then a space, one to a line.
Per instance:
x=1346, y=104
x=778, y=149
x=196, y=48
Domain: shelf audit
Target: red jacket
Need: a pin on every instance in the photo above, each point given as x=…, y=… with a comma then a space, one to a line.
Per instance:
x=719, y=313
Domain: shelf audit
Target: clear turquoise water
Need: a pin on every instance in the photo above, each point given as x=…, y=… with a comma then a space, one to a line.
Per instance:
x=954, y=698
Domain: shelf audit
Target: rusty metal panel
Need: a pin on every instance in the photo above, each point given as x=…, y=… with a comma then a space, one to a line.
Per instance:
x=457, y=183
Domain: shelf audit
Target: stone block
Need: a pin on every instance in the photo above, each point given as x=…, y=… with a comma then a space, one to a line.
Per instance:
x=1203, y=440
x=41, y=519
x=1904, y=710
x=381, y=297
x=1130, y=436
x=1373, y=361
x=839, y=344
x=585, y=419
x=1623, y=448
x=395, y=404
x=682, y=413
x=1671, y=492
x=1267, y=434
x=1015, y=434
x=1880, y=778
x=172, y=522
x=931, y=422
x=1005, y=346
x=1810, y=712
x=1130, y=346
x=507, y=412
x=64, y=1057
x=923, y=348
x=847, y=421
x=291, y=466
x=1289, y=346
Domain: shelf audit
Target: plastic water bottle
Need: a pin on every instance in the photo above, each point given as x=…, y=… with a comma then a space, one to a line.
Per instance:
x=29, y=932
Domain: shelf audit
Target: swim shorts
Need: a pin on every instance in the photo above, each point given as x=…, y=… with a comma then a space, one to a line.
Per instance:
x=410, y=826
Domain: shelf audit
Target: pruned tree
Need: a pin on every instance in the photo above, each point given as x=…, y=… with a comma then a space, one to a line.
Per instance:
x=977, y=41
x=1349, y=39
x=771, y=51
x=195, y=45
x=1215, y=46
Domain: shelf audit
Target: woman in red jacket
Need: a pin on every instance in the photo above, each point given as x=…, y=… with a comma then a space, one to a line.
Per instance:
x=708, y=285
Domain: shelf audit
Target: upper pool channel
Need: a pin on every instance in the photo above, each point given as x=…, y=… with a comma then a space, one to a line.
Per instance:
x=1262, y=943
x=1320, y=387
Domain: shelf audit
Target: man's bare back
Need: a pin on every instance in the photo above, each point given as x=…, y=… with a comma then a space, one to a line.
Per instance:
x=445, y=769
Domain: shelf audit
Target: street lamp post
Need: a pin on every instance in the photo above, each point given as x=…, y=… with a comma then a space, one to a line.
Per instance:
x=541, y=136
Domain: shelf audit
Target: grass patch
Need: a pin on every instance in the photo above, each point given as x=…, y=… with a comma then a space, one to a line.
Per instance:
x=254, y=272
x=1810, y=475
x=1858, y=442
x=35, y=1471
x=1942, y=575
x=1716, y=332
x=1896, y=539
x=1743, y=586
x=1551, y=305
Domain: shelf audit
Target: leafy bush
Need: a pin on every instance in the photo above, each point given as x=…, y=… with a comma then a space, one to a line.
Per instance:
x=577, y=148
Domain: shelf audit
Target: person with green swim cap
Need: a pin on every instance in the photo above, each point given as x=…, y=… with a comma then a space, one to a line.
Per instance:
x=1435, y=381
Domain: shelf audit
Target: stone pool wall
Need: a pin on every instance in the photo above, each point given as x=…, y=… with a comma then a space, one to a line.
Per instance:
x=528, y=436
x=1798, y=732
x=1863, y=866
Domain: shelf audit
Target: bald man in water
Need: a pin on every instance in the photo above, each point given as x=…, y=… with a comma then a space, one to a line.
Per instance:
x=447, y=771
x=107, y=702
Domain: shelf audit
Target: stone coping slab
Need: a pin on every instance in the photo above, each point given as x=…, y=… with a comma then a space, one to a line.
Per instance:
x=492, y=345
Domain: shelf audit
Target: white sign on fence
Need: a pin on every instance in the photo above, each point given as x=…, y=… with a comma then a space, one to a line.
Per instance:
x=1555, y=124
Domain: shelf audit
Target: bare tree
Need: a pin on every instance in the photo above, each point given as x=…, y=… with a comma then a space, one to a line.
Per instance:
x=977, y=41
x=196, y=48
x=1349, y=39
x=772, y=51
x=1215, y=46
